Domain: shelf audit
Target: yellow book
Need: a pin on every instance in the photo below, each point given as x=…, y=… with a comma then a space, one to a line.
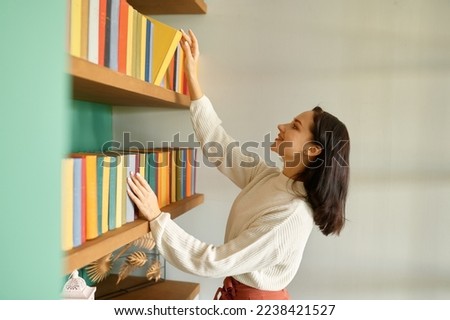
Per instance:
x=120, y=189
x=165, y=43
x=143, y=25
x=142, y=159
x=84, y=38
x=136, y=45
x=75, y=27
x=105, y=193
x=130, y=40
x=67, y=204
x=91, y=197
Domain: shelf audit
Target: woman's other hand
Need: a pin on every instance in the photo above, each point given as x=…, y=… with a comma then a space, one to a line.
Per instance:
x=189, y=44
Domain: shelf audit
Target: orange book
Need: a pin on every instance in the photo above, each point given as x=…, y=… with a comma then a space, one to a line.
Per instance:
x=123, y=34
x=188, y=172
x=102, y=32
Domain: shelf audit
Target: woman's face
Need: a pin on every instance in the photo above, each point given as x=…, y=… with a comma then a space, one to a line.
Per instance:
x=294, y=139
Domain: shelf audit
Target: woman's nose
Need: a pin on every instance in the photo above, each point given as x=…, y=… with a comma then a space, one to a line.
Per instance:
x=281, y=127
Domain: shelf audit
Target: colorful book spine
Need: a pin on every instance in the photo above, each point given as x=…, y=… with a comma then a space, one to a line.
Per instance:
x=112, y=193
x=91, y=196
x=75, y=27
x=103, y=9
x=105, y=167
x=123, y=35
x=114, y=36
x=130, y=168
x=67, y=204
x=77, y=202
x=99, y=194
x=120, y=189
x=93, y=33
x=149, y=51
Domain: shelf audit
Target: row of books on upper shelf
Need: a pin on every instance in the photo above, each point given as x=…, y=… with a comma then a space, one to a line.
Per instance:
x=113, y=34
x=94, y=188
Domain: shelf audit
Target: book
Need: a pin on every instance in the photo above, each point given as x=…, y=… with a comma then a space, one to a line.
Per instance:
x=67, y=204
x=123, y=36
x=93, y=30
x=151, y=169
x=142, y=163
x=137, y=18
x=75, y=27
x=180, y=169
x=106, y=175
x=130, y=168
x=89, y=183
x=188, y=183
x=112, y=192
x=130, y=41
x=99, y=171
x=77, y=202
x=173, y=175
x=143, y=54
x=103, y=9
x=107, y=48
x=120, y=190
x=148, y=51
x=163, y=177
x=84, y=29
x=114, y=39
x=164, y=46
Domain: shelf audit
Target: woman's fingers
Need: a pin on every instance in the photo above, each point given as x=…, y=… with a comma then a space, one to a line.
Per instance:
x=139, y=180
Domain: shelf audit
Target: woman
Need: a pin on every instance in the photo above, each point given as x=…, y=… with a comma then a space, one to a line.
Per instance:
x=272, y=217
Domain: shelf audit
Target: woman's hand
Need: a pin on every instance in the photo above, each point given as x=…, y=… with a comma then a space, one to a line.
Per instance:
x=189, y=44
x=143, y=196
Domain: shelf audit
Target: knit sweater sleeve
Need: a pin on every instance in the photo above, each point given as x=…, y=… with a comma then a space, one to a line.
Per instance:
x=256, y=248
x=220, y=149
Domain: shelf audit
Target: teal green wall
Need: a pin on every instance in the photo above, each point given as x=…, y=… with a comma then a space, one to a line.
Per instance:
x=33, y=128
x=90, y=126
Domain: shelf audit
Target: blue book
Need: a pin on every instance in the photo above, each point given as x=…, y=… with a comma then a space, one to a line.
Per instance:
x=114, y=37
x=149, y=51
x=112, y=193
x=77, y=201
x=108, y=33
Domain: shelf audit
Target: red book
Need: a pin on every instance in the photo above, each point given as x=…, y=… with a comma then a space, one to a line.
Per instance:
x=102, y=32
x=123, y=32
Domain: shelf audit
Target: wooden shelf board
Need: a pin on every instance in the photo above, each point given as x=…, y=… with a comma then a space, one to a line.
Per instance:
x=138, y=288
x=92, y=82
x=154, y=7
x=96, y=248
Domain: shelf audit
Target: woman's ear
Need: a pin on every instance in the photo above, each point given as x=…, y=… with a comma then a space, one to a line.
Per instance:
x=313, y=150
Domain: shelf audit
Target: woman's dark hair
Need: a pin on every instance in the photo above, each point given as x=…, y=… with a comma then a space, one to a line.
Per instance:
x=326, y=179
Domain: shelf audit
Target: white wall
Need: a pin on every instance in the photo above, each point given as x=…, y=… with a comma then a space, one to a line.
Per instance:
x=383, y=67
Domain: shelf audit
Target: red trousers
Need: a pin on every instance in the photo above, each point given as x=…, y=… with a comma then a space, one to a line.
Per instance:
x=234, y=290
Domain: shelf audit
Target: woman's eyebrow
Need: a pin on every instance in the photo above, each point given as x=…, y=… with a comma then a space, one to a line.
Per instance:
x=296, y=120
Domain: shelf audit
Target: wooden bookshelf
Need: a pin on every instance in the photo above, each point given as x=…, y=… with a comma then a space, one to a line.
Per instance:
x=95, y=83
x=96, y=248
x=139, y=288
x=151, y=7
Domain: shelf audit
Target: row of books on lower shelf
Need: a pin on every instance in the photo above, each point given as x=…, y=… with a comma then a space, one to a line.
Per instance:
x=94, y=188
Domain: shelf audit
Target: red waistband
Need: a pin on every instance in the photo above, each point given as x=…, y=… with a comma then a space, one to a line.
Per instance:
x=235, y=290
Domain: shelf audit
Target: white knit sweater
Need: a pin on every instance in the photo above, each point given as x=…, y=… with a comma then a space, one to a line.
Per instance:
x=267, y=228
